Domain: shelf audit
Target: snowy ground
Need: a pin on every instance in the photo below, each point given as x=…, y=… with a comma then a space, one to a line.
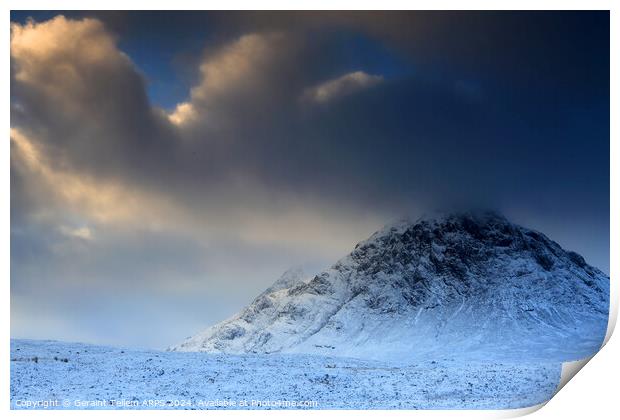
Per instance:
x=66, y=375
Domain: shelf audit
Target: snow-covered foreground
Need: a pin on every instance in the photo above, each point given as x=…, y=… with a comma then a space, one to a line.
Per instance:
x=66, y=375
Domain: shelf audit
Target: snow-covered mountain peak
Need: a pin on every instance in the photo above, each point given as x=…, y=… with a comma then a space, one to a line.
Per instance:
x=437, y=219
x=448, y=285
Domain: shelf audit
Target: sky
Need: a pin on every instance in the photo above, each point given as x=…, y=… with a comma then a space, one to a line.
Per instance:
x=166, y=167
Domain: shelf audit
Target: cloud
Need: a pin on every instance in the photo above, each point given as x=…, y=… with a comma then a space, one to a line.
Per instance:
x=83, y=232
x=183, y=114
x=52, y=54
x=61, y=189
x=240, y=70
x=241, y=212
x=78, y=94
x=74, y=65
x=239, y=158
x=341, y=86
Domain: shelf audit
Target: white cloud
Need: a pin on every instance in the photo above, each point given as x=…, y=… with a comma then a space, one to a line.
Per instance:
x=341, y=86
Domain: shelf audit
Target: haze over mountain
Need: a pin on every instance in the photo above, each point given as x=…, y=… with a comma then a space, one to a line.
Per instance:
x=461, y=285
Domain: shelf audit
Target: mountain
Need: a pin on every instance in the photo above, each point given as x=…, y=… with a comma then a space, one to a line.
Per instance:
x=461, y=286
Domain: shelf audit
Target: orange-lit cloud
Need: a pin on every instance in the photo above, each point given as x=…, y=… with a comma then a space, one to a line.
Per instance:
x=242, y=67
x=251, y=218
x=56, y=58
x=95, y=146
x=98, y=200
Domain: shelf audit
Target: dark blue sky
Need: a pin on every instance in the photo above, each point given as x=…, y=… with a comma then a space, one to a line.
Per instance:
x=255, y=141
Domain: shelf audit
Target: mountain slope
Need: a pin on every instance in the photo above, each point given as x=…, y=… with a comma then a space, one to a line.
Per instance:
x=470, y=285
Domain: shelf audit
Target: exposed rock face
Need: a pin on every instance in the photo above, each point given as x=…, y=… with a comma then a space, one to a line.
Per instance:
x=467, y=285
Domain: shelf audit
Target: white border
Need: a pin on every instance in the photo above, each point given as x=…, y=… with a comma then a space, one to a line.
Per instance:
x=569, y=406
